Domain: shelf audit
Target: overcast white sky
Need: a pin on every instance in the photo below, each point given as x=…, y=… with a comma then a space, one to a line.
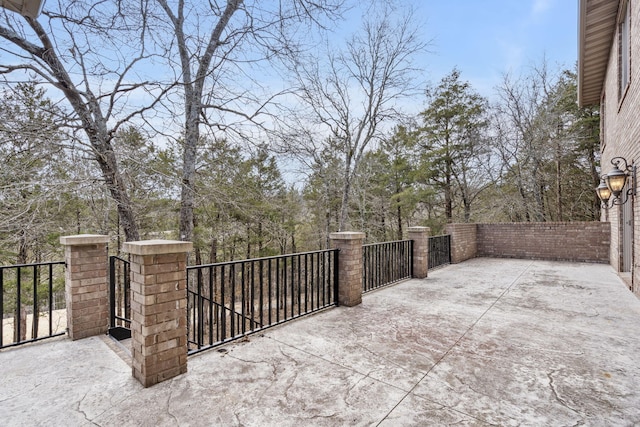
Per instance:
x=486, y=38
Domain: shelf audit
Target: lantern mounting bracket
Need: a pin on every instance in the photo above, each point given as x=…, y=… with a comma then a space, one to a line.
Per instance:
x=612, y=184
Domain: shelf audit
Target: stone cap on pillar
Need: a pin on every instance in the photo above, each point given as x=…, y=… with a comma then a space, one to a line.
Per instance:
x=157, y=247
x=347, y=235
x=84, y=239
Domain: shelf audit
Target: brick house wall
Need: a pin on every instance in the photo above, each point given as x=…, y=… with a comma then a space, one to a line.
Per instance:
x=620, y=135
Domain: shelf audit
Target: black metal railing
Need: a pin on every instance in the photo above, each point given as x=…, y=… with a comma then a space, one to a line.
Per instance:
x=119, y=298
x=226, y=301
x=28, y=306
x=386, y=263
x=439, y=250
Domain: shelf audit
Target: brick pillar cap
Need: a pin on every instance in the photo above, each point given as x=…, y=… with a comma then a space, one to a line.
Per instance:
x=347, y=235
x=157, y=247
x=419, y=229
x=83, y=239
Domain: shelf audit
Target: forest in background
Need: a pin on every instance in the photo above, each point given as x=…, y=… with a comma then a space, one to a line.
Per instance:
x=314, y=138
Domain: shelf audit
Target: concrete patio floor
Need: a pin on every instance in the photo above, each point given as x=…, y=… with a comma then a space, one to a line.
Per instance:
x=485, y=342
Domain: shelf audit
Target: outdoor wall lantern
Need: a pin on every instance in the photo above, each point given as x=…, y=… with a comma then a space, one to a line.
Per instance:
x=614, y=182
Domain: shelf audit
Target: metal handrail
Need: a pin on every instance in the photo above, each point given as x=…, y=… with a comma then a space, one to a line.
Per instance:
x=229, y=300
x=19, y=306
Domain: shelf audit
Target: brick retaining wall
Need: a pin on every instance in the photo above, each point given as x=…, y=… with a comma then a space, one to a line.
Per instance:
x=562, y=241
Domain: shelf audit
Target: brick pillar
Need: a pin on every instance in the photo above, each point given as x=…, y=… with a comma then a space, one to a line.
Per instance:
x=349, y=266
x=464, y=244
x=86, y=284
x=158, y=309
x=420, y=237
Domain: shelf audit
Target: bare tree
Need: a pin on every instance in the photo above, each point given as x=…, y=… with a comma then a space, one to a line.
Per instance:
x=217, y=44
x=522, y=140
x=354, y=92
x=544, y=140
x=91, y=53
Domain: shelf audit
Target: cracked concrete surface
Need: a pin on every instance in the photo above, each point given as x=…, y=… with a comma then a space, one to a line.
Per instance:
x=485, y=342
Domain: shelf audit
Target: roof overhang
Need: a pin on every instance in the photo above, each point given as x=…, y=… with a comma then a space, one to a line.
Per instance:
x=30, y=8
x=596, y=29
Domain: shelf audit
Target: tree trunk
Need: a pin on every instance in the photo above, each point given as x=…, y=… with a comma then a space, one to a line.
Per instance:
x=293, y=242
x=20, y=311
x=467, y=209
x=399, y=222
x=187, y=196
x=327, y=227
x=595, y=179
x=448, y=197
x=260, y=242
x=523, y=195
x=346, y=190
x=448, y=202
x=538, y=190
x=193, y=84
x=106, y=159
x=558, y=187
x=93, y=123
x=22, y=314
x=35, y=324
x=213, y=255
x=248, y=255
